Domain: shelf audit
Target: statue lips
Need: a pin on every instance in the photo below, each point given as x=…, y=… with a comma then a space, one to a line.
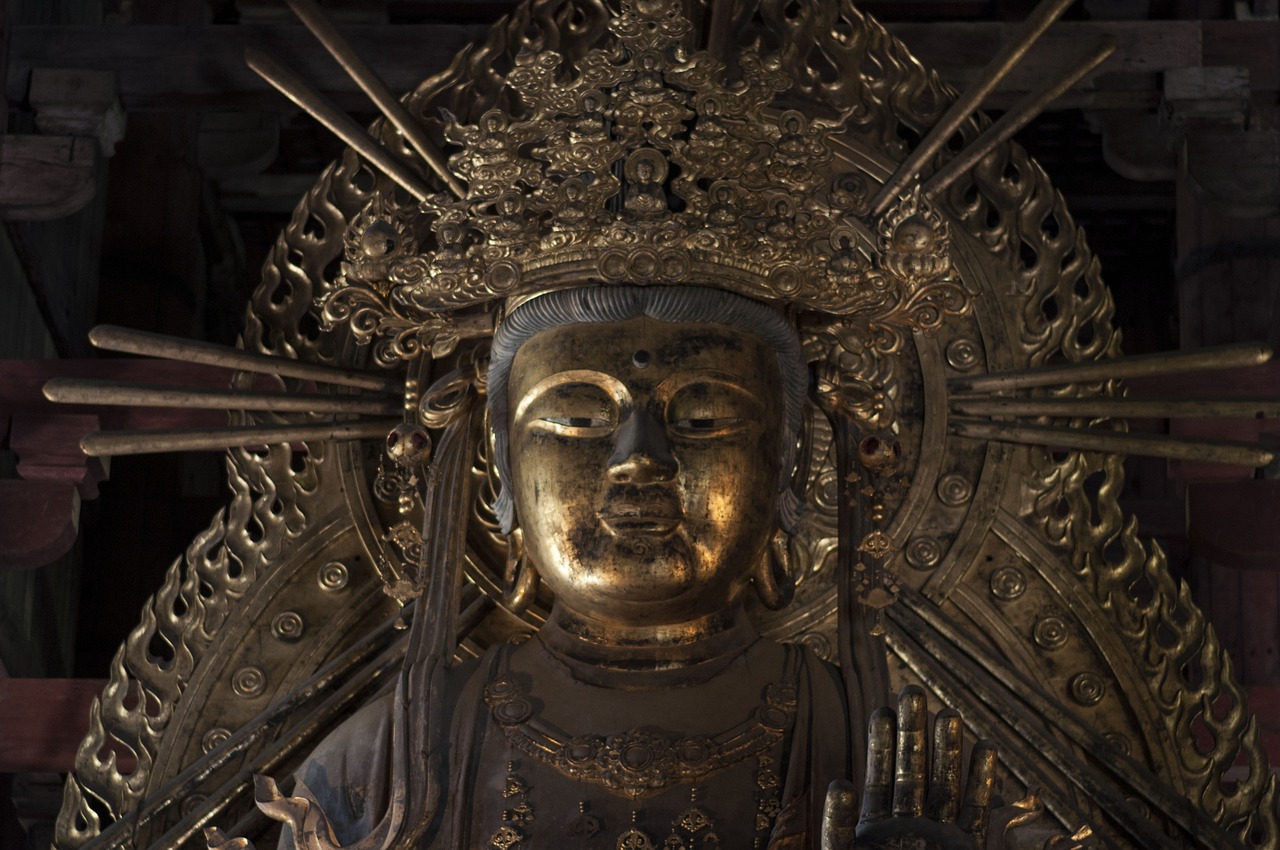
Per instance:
x=648, y=512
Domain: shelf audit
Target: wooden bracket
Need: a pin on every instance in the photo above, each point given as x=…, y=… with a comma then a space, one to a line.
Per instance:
x=78, y=102
x=45, y=177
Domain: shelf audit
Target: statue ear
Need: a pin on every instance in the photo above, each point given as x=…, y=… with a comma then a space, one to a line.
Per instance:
x=773, y=578
x=520, y=579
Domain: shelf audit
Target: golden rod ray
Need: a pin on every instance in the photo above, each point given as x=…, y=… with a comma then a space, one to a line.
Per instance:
x=1140, y=408
x=1137, y=366
x=1146, y=445
x=1016, y=118
x=996, y=70
x=338, y=122
x=371, y=84
x=88, y=391
x=102, y=443
x=147, y=344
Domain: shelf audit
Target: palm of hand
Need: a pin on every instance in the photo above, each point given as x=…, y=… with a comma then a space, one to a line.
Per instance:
x=911, y=801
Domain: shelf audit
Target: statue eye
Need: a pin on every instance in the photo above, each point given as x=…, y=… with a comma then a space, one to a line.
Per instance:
x=577, y=421
x=576, y=426
x=571, y=409
x=707, y=427
x=710, y=409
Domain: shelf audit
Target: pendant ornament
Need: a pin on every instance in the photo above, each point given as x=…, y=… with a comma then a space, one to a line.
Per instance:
x=516, y=819
x=587, y=826
x=635, y=838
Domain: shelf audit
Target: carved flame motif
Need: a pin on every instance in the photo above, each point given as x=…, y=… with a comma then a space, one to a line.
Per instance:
x=642, y=165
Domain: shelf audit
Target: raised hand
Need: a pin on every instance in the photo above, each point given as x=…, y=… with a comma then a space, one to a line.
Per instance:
x=909, y=799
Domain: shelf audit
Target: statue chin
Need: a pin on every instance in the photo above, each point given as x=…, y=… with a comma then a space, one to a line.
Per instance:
x=632, y=595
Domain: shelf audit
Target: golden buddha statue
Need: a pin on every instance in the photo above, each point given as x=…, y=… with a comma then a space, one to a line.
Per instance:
x=675, y=357
x=645, y=390
x=650, y=433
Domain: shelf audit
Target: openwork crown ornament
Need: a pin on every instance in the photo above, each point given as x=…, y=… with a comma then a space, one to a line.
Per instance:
x=642, y=165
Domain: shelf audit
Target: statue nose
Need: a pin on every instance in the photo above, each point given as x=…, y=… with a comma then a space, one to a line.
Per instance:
x=641, y=455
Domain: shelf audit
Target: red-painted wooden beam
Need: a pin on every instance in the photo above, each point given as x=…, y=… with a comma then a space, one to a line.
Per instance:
x=1256, y=381
x=42, y=722
x=22, y=380
x=39, y=512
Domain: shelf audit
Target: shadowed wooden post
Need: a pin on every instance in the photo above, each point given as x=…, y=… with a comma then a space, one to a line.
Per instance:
x=1228, y=274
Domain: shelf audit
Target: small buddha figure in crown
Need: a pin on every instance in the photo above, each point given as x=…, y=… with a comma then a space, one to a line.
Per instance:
x=645, y=171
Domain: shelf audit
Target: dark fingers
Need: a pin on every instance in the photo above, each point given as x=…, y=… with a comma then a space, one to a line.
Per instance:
x=909, y=772
x=877, y=791
x=944, y=773
x=977, y=796
x=837, y=816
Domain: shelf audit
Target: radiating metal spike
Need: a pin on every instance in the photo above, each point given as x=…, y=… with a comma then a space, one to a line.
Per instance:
x=996, y=70
x=338, y=122
x=1121, y=408
x=147, y=344
x=310, y=13
x=90, y=391
x=1146, y=445
x=1136, y=366
x=1016, y=118
x=102, y=443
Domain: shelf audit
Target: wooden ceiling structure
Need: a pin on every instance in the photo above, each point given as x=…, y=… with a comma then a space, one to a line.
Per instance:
x=145, y=171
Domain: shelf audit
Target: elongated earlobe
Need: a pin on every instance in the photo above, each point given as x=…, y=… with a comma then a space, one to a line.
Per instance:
x=520, y=579
x=773, y=577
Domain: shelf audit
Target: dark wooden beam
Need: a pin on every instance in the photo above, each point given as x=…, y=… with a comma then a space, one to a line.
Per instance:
x=1130, y=79
x=1223, y=525
x=202, y=67
x=21, y=382
x=40, y=510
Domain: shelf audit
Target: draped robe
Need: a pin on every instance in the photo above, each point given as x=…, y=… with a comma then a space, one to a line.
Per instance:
x=735, y=751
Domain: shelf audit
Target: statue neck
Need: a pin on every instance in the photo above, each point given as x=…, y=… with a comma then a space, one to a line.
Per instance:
x=612, y=654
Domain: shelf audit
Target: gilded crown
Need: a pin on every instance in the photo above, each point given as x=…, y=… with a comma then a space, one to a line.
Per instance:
x=641, y=165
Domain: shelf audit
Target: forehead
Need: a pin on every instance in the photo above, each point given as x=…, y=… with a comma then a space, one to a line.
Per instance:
x=619, y=349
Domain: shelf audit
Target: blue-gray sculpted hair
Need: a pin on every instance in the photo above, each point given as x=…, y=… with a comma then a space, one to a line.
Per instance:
x=600, y=304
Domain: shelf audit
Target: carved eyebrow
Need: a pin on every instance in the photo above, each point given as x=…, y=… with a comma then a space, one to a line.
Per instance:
x=611, y=385
x=680, y=380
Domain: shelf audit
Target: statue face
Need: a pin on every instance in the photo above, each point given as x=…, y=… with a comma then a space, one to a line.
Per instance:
x=644, y=465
